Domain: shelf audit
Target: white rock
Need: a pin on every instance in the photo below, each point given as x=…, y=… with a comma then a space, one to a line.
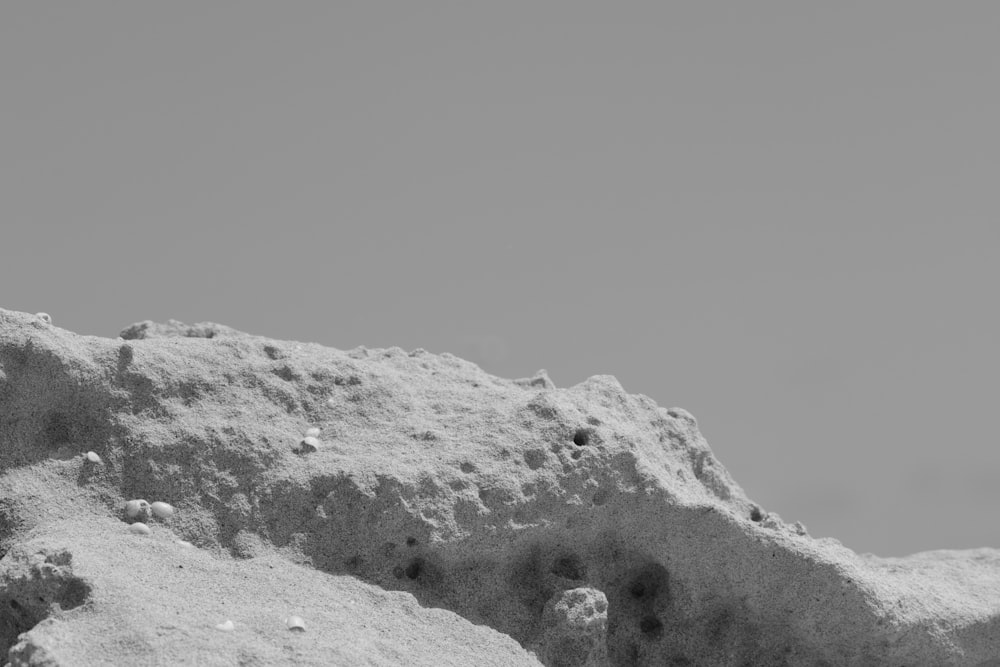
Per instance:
x=295, y=623
x=44, y=317
x=139, y=528
x=162, y=510
x=94, y=458
x=134, y=508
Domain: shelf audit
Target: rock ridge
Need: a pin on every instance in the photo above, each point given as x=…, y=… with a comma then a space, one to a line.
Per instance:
x=558, y=526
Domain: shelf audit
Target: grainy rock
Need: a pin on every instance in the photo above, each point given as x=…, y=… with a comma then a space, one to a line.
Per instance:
x=450, y=517
x=574, y=629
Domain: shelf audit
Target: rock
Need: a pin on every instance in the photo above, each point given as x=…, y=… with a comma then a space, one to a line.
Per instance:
x=574, y=629
x=173, y=328
x=451, y=517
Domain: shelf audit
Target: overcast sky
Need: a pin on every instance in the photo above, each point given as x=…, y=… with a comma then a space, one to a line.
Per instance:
x=782, y=217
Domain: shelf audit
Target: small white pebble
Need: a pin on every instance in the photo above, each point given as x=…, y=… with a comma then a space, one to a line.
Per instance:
x=139, y=528
x=295, y=623
x=134, y=508
x=44, y=317
x=225, y=627
x=93, y=457
x=185, y=544
x=312, y=432
x=331, y=402
x=162, y=510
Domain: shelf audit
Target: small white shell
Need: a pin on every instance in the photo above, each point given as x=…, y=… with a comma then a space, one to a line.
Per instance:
x=162, y=510
x=44, y=317
x=139, y=528
x=295, y=623
x=93, y=457
x=312, y=432
x=225, y=627
x=134, y=508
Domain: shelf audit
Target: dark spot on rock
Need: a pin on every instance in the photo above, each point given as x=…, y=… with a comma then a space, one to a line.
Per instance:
x=756, y=514
x=285, y=373
x=411, y=541
x=648, y=584
x=581, y=438
x=718, y=625
x=414, y=569
x=576, y=454
x=651, y=626
x=593, y=421
x=272, y=352
x=535, y=458
x=568, y=567
x=467, y=467
x=600, y=497
x=58, y=429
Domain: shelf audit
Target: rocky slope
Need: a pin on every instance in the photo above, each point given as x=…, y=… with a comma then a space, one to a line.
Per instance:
x=441, y=516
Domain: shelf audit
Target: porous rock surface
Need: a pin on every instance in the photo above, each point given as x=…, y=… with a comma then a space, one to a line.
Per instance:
x=447, y=517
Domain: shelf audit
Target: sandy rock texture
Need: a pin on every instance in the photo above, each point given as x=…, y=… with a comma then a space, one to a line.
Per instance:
x=441, y=516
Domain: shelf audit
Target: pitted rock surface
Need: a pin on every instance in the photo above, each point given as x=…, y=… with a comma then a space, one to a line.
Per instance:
x=447, y=516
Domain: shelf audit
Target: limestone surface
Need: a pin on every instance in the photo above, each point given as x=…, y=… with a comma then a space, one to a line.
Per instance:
x=441, y=516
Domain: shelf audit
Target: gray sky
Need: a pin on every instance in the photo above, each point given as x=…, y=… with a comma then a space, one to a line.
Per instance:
x=780, y=216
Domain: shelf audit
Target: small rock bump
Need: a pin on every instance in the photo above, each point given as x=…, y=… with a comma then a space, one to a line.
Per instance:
x=226, y=626
x=308, y=445
x=126, y=354
x=44, y=317
x=295, y=623
x=94, y=458
x=162, y=510
x=139, y=528
x=138, y=508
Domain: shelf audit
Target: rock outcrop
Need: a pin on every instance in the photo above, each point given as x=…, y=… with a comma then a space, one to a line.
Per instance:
x=439, y=515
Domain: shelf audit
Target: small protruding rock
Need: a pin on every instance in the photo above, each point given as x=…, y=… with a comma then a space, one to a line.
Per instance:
x=139, y=528
x=138, y=509
x=162, y=510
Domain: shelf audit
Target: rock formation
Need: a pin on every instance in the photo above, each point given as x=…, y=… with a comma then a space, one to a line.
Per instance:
x=444, y=516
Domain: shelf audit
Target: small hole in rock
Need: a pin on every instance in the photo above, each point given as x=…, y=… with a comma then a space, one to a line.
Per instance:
x=756, y=514
x=414, y=568
x=581, y=438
